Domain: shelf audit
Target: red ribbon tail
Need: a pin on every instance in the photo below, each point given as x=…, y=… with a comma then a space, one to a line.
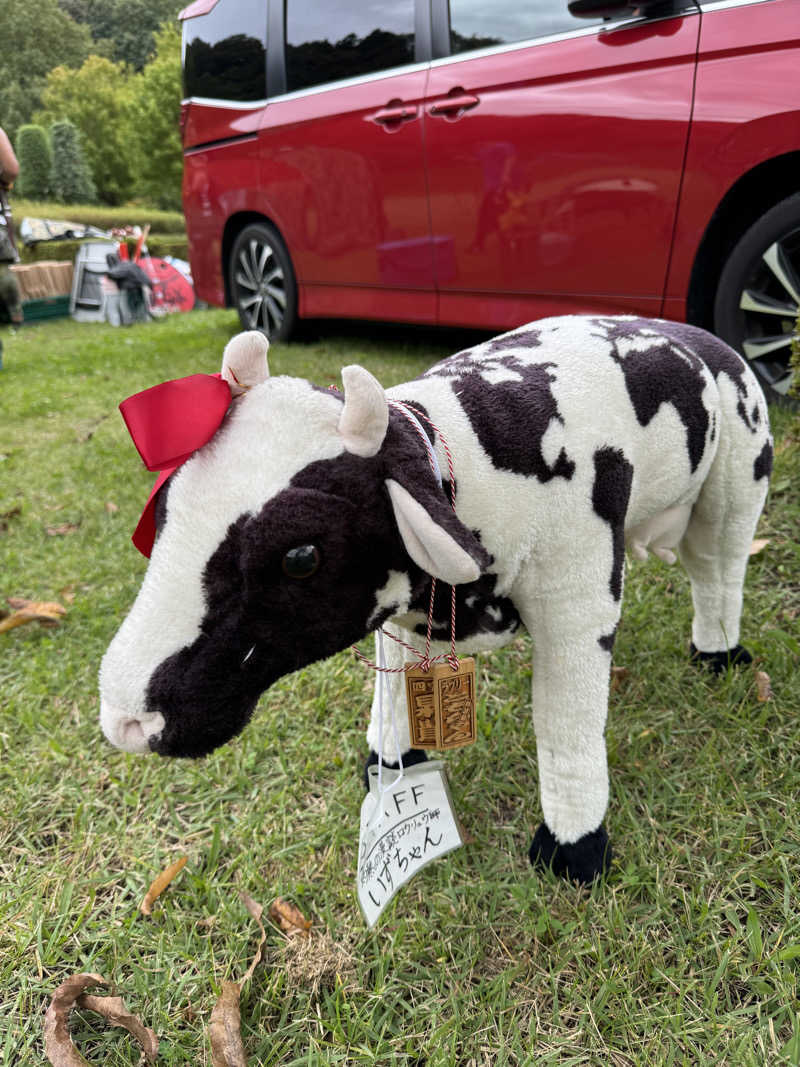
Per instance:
x=144, y=535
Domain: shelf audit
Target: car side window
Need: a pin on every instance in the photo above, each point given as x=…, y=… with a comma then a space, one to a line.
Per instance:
x=326, y=41
x=225, y=55
x=476, y=24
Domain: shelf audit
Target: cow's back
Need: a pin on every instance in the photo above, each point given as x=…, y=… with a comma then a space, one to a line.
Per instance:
x=532, y=416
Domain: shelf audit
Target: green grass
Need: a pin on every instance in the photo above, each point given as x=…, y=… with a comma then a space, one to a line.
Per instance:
x=687, y=954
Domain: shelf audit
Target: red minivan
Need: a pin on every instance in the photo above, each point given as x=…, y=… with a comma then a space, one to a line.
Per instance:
x=484, y=164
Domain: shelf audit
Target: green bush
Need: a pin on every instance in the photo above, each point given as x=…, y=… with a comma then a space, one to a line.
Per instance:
x=157, y=245
x=35, y=161
x=102, y=216
x=70, y=178
x=95, y=98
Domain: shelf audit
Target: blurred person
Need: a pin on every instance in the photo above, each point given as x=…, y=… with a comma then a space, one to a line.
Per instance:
x=10, y=303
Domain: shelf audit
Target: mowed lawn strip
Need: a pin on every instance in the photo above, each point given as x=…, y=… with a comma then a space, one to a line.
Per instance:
x=687, y=954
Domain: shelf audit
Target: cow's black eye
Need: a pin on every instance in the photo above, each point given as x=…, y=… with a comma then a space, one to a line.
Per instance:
x=301, y=562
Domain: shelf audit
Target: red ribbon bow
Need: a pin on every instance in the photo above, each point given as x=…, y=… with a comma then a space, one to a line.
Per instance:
x=168, y=423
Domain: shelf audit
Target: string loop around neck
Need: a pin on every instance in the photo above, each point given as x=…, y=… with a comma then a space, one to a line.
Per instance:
x=424, y=659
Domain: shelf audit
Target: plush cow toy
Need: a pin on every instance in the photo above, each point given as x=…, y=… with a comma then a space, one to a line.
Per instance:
x=311, y=517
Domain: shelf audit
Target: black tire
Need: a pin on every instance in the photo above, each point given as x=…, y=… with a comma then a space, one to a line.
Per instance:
x=758, y=296
x=262, y=282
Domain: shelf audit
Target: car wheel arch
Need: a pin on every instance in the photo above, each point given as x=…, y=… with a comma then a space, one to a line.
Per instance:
x=753, y=194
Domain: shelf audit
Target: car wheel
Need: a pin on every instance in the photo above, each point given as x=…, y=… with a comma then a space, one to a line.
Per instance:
x=758, y=297
x=262, y=282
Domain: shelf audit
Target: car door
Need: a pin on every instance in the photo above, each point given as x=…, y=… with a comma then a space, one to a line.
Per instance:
x=342, y=165
x=554, y=151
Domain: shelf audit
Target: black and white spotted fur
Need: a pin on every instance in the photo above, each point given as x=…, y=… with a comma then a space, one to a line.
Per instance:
x=572, y=438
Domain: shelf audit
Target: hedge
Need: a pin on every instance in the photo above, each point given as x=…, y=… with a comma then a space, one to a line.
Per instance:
x=157, y=245
x=103, y=217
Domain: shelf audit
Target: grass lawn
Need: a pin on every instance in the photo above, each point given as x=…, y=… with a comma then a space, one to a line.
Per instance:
x=689, y=952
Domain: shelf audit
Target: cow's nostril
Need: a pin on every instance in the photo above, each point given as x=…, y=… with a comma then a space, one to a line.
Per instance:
x=131, y=733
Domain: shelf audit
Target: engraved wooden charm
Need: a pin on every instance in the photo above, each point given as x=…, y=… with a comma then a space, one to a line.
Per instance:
x=421, y=710
x=455, y=704
x=441, y=705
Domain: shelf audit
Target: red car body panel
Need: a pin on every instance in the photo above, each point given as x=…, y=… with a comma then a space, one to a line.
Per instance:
x=219, y=182
x=345, y=184
x=566, y=169
x=581, y=178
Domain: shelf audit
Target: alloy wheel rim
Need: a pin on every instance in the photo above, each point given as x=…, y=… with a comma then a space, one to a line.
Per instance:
x=769, y=305
x=261, y=283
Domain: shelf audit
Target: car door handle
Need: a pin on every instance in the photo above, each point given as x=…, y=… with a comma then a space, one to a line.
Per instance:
x=451, y=105
x=394, y=114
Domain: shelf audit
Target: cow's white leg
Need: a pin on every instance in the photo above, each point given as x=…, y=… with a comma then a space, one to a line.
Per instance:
x=393, y=737
x=716, y=545
x=573, y=633
x=570, y=599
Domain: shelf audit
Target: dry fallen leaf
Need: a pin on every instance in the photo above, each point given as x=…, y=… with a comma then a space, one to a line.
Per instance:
x=618, y=676
x=60, y=531
x=758, y=544
x=224, y=1030
x=289, y=918
x=466, y=837
x=111, y=507
x=114, y=1011
x=58, y=1046
x=763, y=687
x=159, y=884
x=47, y=612
x=189, y=1013
x=256, y=911
x=7, y=516
x=46, y=607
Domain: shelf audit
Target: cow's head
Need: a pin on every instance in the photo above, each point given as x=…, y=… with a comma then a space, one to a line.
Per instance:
x=309, y=518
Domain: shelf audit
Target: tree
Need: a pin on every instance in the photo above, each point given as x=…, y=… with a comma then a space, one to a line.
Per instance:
x=154, y=120
x=70, y=179
x=35, y=37
x=124, y=30
x=96, y=99
x=35, y=162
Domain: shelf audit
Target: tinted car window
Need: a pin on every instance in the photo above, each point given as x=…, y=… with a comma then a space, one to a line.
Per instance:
x=226, y=52
x=476, y=24
x=346, y=38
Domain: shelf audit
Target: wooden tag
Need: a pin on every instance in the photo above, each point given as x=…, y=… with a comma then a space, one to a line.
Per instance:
x=441, y=705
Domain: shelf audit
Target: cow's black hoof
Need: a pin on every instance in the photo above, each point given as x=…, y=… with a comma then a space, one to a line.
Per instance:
x=583, y=861
x=719, y=662
x=414, y=755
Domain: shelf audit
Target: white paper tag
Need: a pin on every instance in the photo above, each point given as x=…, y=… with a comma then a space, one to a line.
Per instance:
x=401, y=832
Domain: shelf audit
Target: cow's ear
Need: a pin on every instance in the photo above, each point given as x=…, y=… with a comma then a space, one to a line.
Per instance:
x=365, y=416
x=439, y=543
x=244, y=361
